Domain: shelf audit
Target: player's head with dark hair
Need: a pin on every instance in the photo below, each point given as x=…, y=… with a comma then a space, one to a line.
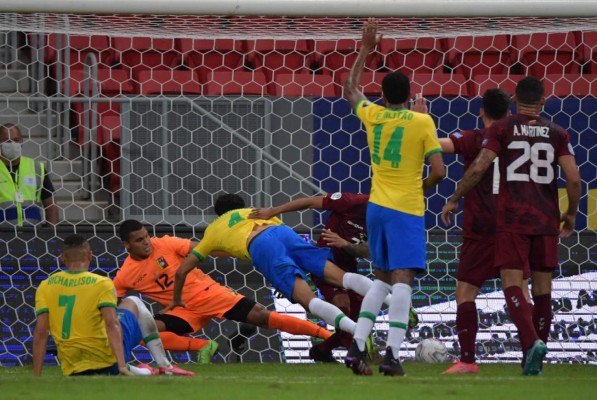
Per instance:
x=395, y=87
x=496, y=103
x=529, y=91
x=228, y=202
x=76, y=249
x=127, y=227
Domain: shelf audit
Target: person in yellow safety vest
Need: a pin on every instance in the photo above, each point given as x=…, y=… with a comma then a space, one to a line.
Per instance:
x=24, y=184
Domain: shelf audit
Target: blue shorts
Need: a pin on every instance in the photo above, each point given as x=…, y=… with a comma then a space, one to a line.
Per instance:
x=281, y=255
x=131, y=332
x=396, y=239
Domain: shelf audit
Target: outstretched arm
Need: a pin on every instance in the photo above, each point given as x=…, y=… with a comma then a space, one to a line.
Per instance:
x=40, y=342
x=472, y=176
x=294, y=205
x=370, y=40
x=332, y=239
x=180, y=277
x=437, y=172
x=570, y=169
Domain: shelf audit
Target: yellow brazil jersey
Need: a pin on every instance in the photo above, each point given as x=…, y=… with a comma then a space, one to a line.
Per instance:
x=399, y=141
x=73, y=301
x=229, y=233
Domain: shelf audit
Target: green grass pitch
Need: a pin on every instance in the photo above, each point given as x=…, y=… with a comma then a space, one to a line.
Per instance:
x=307, y=382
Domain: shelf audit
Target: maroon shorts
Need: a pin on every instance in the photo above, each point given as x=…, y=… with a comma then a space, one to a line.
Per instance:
x=526, y=252
x=476, y=262
x=329, y=292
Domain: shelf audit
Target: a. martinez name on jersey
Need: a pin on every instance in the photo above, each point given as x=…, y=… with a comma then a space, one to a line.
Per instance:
x=531, y=131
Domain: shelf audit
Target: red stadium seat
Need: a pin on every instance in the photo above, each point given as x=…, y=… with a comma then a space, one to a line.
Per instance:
x=546, y=53
x=239, y=82
x=587, y=54
x=279, y=56
x=438, y=84
x=168, y=81
x=111, y=81
x=475, y=55
x=412, y=55
x=139, y=53
x=212, y=54
x=305, y=85
x=570, y=85
x=370, y=84
x=480, y=83
x=335, y=57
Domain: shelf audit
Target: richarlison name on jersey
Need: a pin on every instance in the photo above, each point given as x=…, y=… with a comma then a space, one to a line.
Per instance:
x=72, y=282
x=531, y=131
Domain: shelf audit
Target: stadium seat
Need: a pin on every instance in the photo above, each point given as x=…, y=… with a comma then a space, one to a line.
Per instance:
x=212, y=54
x=239, y=82
x=370, y=84
x=539, y=54
x=80, y=46
x=139, y=53
x=480, y=83
x=167, y=81
x=587, y=51
x=110, y=81
x=438, y=84
x=279, y=56
x=412, y=55
x=335, y=57
x=577, y=85
x=300, y=85
x=475, y=55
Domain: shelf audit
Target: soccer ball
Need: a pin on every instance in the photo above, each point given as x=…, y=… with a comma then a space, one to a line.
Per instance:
x=431, y=351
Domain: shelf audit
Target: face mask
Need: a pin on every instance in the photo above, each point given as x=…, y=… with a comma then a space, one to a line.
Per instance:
x=11, y=150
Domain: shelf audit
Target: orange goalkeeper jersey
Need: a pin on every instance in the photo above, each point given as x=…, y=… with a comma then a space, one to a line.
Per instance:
x=154, y=276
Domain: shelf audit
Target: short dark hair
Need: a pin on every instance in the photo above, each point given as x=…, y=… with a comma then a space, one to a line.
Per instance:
x=127, y=227
x=74, y=242
x=529, y=90
x=228, y=202
x=396, y=87
x=496, y=103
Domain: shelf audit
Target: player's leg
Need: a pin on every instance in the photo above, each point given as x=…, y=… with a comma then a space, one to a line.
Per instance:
x=544, y=259
x=405, y=242
x=249, y=311
x=150, y=336
x=475, y=267
x=302, y=294
x=343, y=299
x=174, y=328
x=512, y=257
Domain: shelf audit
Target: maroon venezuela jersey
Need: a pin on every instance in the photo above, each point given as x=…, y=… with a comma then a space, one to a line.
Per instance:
x=528, y=148
x=480, y=202
x=347, y=218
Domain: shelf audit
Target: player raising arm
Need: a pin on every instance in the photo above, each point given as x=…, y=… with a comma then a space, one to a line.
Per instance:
x=399, y=142
x=529, y=148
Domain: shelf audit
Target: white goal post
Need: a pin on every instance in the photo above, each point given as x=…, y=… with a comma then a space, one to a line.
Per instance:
x=362, y=8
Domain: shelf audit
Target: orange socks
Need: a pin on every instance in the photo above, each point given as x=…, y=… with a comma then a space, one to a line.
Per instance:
x=296, y=326
x=175, y=342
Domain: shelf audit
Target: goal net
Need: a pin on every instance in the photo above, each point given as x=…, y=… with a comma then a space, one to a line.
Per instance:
x=152, y=116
